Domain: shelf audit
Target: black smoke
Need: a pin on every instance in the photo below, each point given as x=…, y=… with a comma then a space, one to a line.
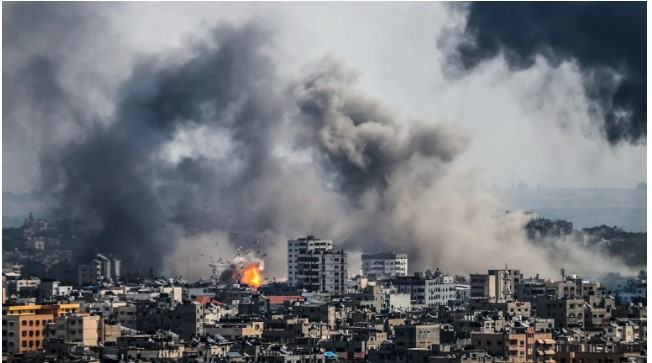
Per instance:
x=358, y=138
x=603, y=37
x=44, y=46
x=211, y=143
x=115, y=177
x=141, y=201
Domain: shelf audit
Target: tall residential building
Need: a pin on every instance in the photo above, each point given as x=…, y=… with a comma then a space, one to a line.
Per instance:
x=323, y=271
x=100, y=268
x=384, y=265
x=309, y=244
x=313, y=265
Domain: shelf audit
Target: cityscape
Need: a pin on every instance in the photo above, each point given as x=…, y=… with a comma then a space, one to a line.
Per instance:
x=322, y=312
x=315, y=182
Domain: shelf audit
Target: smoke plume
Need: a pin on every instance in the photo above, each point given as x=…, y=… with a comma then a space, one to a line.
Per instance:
x=209, y=144
x=607, y=40
x=53, y=70
x=360, y=140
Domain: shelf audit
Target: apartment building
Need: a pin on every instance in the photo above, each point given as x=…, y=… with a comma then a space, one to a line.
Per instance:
x=568, y=313
x=322, y=271
x=496, y=285
x=78, y=328
x=514, y=345
x=100, y=268
x=309, y=244
x=23, y=326
x=384, y=265
x=428, y=291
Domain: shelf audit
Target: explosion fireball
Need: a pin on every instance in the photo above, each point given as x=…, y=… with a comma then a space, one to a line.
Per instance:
x=251, y=276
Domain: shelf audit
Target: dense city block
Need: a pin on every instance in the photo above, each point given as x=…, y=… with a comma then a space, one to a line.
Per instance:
x=322, y=313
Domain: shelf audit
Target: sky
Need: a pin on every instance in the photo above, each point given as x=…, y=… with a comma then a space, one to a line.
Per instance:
x=400, y=50
x=501, y=103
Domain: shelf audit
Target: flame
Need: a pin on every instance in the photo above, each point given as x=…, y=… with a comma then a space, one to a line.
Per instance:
x=251, y=276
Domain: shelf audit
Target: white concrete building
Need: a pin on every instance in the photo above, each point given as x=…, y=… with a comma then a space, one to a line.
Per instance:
x=440, y=294
x=310, y=244
x=384, y=265
x=430, y=292
x=75, y=328
x=396, y=301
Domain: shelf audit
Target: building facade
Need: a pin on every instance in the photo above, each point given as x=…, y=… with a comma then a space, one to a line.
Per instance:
x=496, y=285
x=24, y=326
x=322, y=271
x=79, y=328
x=310, y=244
x=100, y=268
x=384, y=265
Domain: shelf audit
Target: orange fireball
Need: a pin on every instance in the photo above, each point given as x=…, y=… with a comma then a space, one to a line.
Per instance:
x=251, y=276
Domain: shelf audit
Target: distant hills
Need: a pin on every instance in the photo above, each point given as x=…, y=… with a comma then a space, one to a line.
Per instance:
x=624, y=208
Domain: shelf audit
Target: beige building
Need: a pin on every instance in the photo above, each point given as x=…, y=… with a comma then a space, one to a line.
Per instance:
x=84, y=329
x=517, y=345
x=23, y=333
x=23, y=326
x=496, y=285
x=544, y=350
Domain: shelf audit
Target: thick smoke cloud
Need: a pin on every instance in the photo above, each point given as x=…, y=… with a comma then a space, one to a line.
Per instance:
x=209, y=144
x=360, y=140
x=53, y=70
x=606, y=39
x=113, y=176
